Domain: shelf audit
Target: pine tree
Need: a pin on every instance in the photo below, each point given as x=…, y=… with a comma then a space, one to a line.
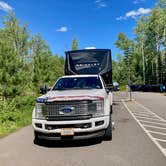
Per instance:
x=41, y=60
x=12, y=75
x=17, y=34
x=74, y=45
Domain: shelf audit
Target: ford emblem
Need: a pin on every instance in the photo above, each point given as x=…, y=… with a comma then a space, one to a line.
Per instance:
x=66, y=110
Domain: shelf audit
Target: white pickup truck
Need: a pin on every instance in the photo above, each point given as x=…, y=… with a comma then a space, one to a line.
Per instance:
x=77, y=106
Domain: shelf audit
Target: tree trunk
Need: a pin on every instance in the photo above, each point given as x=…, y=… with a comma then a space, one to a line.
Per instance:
x=157, y=59
x=143, y=63
x=164, y=58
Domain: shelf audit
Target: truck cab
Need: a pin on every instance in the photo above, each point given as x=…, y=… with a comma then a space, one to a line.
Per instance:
x=79, y=104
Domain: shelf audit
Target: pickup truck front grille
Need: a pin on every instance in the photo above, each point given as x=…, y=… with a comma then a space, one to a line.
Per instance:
x=67, y=109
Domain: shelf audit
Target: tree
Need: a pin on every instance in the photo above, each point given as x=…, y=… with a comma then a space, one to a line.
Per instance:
x=46, y=67
x=145, y=55
x=17, y=34
x=41, y=61
x=74, y=45
x=13, y=50
x=125, y=45
x=25, y=61
x=140, y=30
x=12, y=75
x=154, y=35
x=162, y=4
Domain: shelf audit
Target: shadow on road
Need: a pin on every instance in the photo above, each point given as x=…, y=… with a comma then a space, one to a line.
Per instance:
x=68, y=143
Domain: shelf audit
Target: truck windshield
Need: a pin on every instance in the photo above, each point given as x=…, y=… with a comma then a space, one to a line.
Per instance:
x=78, y=83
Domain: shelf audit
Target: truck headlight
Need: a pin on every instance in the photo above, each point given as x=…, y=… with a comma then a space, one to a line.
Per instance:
x=97, y=108
x=39, y=114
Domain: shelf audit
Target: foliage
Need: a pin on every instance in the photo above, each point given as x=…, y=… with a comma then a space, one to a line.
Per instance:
x=12, y=68
x=143, y=59
x=26, y=62
x=74, y=45
x=124, y=44
x=15, y=113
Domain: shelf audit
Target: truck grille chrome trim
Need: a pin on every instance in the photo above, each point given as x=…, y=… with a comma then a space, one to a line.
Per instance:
x=63, y=118
x=69, y=109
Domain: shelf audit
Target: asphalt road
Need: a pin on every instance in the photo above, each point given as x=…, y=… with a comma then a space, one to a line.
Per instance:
x=130, y=145
x=154, y=101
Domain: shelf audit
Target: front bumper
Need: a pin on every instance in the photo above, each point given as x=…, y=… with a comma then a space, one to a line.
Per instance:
x=51, y=130
x=77, y=136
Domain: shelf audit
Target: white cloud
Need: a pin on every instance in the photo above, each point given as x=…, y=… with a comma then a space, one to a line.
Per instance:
x=138, y=1
x=100, y=4
x=62, y=29
x=97, y=1
x=5, y=7
x=135, y=13
x=121, y=18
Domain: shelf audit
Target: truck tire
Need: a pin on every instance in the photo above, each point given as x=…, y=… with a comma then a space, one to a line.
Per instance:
x=108, y=131
x=111, y=110
x=36, y=137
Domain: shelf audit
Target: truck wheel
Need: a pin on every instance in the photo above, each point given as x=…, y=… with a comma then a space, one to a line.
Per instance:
x=111, y=110
x=108, y=132
x=36, y=137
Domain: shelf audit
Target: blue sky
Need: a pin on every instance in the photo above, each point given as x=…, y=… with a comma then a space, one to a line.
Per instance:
x=95, y=23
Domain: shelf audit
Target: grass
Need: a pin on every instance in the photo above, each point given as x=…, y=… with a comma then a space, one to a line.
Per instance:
x=16, y=115
x=123, y=88
x=9, y=125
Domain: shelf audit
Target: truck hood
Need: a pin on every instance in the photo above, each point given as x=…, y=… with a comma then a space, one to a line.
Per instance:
x=67, y=95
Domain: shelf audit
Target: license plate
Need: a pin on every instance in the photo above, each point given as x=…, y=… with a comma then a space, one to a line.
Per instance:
x=67, y=132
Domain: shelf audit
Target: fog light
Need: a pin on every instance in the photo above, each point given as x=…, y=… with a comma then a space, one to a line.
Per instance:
x=50, y=127
x=39, y=125
x=86, y=125
x=99, y=123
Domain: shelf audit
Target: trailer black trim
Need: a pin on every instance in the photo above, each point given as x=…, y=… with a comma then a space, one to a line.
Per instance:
x=90, y=61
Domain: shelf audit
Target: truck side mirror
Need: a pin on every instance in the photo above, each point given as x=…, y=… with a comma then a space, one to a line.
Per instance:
x=49, y=88
x=43, y=89
x=107, y=90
